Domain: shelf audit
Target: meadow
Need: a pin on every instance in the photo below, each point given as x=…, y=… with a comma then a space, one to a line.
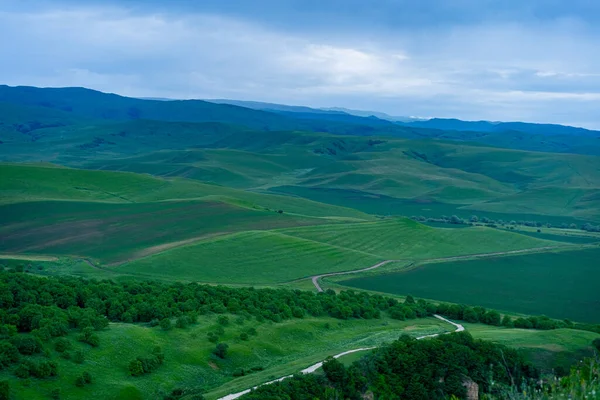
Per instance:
x=115, y=232
x=549, y=350
x=402, y=238
x=558, y=284
x=279, y=349
x=250, y=258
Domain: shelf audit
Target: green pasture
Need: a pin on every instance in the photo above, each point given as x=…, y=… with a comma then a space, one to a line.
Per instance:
x=558, y=284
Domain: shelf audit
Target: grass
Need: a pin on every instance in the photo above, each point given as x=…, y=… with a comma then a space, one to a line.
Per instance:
x=406, y=239
x=40, y=182
x=558, y=284
x=249, y=258
x=280, y=349
x=558, y=348
x=116, y=232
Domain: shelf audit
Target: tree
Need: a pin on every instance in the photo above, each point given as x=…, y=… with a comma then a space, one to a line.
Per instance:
x=165, y=324
x=243, y=336
x=135, y=368
x=223, y=320
x=596, y=344
x=221, y=350
x=334, y=371
x=474, y=218
x=409, y=300
x=62, y=344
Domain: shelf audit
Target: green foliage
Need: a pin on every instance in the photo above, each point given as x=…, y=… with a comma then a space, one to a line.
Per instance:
x=596, y=344
x=79, y=357
x=145, y=365
x=62, y=344
x=4, y=390
x=221, y=350
x=412, y=369
x=166, y=324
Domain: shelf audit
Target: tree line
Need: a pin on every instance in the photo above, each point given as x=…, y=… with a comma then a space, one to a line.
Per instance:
x=438, y=368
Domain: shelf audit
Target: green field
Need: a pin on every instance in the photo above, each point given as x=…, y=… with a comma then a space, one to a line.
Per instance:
x=560, y=285
x=249, y=258
x=549, y=350
x=280, y=349
x=406, y=239
x=115, y=232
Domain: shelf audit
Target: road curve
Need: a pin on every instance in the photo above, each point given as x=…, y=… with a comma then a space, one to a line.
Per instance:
x=313, y=368
x=315, y=279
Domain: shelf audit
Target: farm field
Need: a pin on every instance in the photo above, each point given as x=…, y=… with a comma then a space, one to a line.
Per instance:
x=284, y=255
x=402, y=238
x=249, y=258
x=280, y=349
x=115, y=232
x=557, y=284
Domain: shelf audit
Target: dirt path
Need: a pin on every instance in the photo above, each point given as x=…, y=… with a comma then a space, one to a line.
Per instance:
x=315, y=279
x=315, y=367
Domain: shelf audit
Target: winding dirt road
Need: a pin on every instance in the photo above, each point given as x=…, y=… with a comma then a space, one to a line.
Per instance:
x=315, y=367
x=315, y=279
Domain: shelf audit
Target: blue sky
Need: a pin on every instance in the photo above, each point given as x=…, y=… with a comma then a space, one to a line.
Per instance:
x=471, y=59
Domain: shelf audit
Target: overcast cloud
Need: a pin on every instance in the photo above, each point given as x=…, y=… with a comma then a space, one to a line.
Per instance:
x=471, y=59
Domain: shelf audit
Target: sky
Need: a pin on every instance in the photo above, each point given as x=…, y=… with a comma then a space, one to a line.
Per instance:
x=501, y=60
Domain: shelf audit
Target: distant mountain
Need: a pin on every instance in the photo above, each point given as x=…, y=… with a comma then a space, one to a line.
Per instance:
x=496, y=127
x=258, y=105
x=380, y=115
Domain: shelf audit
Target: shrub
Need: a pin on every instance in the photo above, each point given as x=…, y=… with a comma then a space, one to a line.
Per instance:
x=221, y=350
x=244, y=336
x=62, y=344
x=223, y=320
x=55, y=394
x=79, y=357
x=165, y=324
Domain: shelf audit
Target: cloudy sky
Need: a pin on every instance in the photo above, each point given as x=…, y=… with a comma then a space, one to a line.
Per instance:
x=531, y=60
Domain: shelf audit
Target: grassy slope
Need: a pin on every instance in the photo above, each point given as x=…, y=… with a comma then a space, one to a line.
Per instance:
x=560, y=285
x=249, y=258
x=113, y=232
x=280, y=348
x=407, y=239
x=21, y=182
x=558, y=348
x=288, y=254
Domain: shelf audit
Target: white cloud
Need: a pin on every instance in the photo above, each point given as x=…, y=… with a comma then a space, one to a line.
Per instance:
x=505, y=71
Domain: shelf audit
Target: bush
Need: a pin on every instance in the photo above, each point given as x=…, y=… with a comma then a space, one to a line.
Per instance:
x=223, y=320
x=22, y=371
x=212, y=337
x=62, y=344
x=165, y=324
x=244, y=336
x=221, y=350
x=79, y=357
